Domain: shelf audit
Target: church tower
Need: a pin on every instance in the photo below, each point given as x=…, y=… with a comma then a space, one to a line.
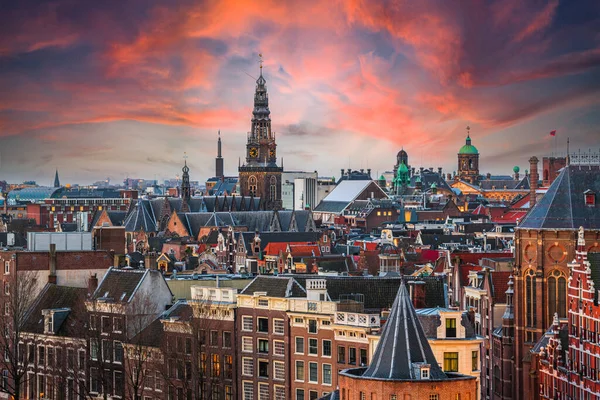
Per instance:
x=186, y=190
x=219, y=160
x=260, y=176
x=468, y=161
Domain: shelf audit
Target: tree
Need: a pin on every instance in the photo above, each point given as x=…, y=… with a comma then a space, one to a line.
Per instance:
x=19, y=294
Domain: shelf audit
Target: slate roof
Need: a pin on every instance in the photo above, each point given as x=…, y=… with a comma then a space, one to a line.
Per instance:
x=428, y=178
x=511, y=184
x=302, y=218
x=119, y=284
x=380, y=292
x=347, y=190
x=435, y=240
x=153, y=334
x=275, y=286
x=331, y=206
x=52, y=297
x=563, y=205
x=402, y=344
x=140, y=218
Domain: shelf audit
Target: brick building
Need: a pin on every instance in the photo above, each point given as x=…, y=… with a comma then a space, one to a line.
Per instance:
x=545, y=241
x=569, y=362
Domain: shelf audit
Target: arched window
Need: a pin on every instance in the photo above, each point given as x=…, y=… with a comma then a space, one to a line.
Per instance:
x=530, y=299
x=273, y=189
x=557, y=295
x=252, y=185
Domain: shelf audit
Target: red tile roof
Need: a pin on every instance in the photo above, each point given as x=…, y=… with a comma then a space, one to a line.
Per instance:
x=511, y=216
x=500, y=285
x=464, y=272
x=273, y=248
x=303, y=250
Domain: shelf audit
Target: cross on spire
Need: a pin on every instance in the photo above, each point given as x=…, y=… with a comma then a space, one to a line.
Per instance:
x=468, y=131
x=185, y=156
x=260, y=61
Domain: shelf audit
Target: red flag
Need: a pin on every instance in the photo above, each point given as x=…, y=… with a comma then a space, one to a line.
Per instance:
x=552, y=133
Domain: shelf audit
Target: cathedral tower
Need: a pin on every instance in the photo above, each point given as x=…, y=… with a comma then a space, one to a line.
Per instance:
x=260, y=176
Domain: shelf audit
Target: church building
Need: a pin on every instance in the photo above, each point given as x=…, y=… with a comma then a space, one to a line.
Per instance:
x=260, y=176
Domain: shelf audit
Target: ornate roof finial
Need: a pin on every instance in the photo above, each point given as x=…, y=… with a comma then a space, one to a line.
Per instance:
x=260, y=61
x=468, y=131
x=185, y=157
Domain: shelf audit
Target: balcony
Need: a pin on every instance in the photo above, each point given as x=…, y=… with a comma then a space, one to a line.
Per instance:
x=356, y=319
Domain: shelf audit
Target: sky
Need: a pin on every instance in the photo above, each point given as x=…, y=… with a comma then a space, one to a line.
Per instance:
x=123, y=88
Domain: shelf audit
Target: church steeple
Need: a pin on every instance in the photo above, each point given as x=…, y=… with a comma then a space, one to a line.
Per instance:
x=219, y=160
x=186, y=191
x=260, y=176
x=56, y=180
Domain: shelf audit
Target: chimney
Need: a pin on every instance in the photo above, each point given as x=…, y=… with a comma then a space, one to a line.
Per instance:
x=92, y=284
x=52, y=274
x=342, y=172
x=362, y=171
x=369, y=172
x=533, y=180
x=440, y=172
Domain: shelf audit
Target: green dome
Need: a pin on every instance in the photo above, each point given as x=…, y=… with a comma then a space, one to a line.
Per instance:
x=468, y=148
x=382, y=178
x=433, y=185
x=516, y=169
x=402, y=168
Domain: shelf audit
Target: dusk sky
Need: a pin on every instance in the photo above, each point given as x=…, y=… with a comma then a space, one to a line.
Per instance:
x=123, y=88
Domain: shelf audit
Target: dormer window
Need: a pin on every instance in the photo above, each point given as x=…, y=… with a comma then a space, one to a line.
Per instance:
x=424, y=373
x=590, y=198
x=49, y=323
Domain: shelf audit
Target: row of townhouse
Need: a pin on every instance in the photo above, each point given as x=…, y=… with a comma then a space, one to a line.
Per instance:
x=284, y=337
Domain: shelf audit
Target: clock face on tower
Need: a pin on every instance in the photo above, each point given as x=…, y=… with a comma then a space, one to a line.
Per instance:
x=253, y=152
x=272, y=153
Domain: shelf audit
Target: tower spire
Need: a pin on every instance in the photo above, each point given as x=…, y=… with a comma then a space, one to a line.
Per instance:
x=56, y=180
x=219, y=160
x=186, y=191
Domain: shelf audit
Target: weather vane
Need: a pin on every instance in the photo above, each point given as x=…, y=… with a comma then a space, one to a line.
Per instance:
x=260, y=60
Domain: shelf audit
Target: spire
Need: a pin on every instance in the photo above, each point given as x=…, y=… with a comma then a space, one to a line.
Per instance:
x=219, y=170
x=403, y=349
x=56, y=180
x=185, y=181
x=219, y=145
x=468, y=141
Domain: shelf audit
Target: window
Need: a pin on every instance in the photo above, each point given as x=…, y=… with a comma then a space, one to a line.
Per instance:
x=118, y=352
x=557, y=295
x=298, y=320
x=433, y=397
x=42, y=355
x=424, y=373
x=590, y=198
x=263, y=346
x=94, y=384
x=352, y=355
x=279, y=393
x=530, y=299
x=214, y=338
x=326, y=374
x=312, y=326
x=93, y=350
x=106, y=350
x=118, y=383
x=300, y=371
x=93, y=322
x=263, y=302
x=299, y=345
x=363, y=357
x=247, y=366
x=247, y=324
x=279, y=348
x=50, y=356
x=228, y=392
x=228, y=370
x=247, y=344
x=81, y=359
x=278, y=327
x=299, y=394
x=227, y=340
x=70, y=359
x=263, y=369
x=157, y=382
x=263, y=325
x=313, y=395
x=450, y=362
x=313, y=372
x=216, y=366
x=278, y=370
x=313, y=346
x=450, y=327
x=326, y=348
x=248, y=391
x=341, y=355
x=7, y=288
x=6, y=267
x=105, y=324
x=474, y=360
x=263, y=391
x=117, y=326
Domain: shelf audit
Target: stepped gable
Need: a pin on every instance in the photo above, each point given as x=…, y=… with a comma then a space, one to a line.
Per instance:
x=402, y=344
x=563, y=206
